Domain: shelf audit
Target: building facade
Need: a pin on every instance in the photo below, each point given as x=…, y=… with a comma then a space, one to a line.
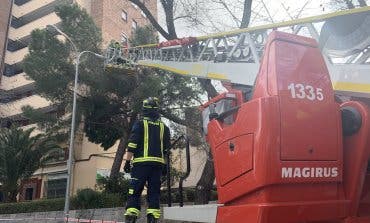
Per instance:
x=117, y=19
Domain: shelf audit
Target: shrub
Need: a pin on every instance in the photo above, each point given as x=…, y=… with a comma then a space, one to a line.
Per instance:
x=90, y=199
x=86, y=199
x=42, y=205
x=188, y=195
x=118, y=186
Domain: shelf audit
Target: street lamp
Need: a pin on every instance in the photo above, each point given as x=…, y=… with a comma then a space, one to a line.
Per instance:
x=71, y=140
x=52, y=27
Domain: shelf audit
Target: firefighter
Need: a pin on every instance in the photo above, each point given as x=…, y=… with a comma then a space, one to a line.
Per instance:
x=147, y=146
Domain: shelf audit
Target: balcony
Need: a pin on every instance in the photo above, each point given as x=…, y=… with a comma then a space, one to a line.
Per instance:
x=19, y=11
x=14, y=108
x=16, y=82
x=21, y=2
x=24, y=31
x=16, y=56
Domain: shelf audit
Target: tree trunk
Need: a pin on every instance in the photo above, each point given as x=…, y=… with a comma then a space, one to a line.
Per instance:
x=168, y=10
x=205, y=183
x=246, y=14
x=10, y=195
x=362, y=3
x=116, y=166
x=13, y=196
x=349, y=4
x=208, y=87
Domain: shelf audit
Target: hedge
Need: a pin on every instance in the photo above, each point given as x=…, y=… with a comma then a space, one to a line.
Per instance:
x=88, y=199
x=85, y=199
x=42, y=205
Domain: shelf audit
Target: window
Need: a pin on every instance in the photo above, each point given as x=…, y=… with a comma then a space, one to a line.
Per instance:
x=134, y=24
x=29, y=194
x=1, y=196
x=219, y=107
x=56, y=188
x=124, y=38
x=124, y=15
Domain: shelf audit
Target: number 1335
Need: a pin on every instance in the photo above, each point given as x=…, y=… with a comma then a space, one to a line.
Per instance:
x=302, y=91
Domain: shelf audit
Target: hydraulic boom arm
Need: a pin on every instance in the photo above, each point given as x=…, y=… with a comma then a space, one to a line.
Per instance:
x=235, y=56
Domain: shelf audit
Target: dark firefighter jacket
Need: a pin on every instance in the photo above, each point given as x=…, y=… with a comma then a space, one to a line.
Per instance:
x=149, y=141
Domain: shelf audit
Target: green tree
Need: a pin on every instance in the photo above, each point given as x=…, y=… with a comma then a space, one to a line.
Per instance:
x=109, y=100
x=20, y=156
x=143, y=35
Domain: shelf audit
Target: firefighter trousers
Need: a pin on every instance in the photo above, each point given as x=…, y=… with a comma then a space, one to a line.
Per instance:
x=140, y=175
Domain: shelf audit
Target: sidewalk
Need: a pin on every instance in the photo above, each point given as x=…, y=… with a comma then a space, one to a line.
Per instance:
x=108, y=215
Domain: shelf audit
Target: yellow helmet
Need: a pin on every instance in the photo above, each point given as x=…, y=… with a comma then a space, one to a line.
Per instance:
x=151, y=103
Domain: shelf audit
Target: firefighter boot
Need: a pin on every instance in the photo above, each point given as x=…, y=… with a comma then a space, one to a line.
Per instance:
x=151, y=219
x=130, y=218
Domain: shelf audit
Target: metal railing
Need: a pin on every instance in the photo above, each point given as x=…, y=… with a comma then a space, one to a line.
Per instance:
x=187, y=173
x=184, y=176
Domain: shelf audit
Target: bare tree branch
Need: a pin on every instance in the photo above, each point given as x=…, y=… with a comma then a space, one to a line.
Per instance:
x=267, y=10
x=182, y=17
x=301, y=10
x=298, y=14
x=287, y=11
x=226, y=7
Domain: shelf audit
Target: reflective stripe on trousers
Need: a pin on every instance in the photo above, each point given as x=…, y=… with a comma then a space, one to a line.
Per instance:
x=141, y=175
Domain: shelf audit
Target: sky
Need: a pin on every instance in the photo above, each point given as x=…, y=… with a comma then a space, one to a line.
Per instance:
x=264, y=12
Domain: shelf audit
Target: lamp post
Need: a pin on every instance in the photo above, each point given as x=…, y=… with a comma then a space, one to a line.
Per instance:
x=73, y=124
x=54, y=27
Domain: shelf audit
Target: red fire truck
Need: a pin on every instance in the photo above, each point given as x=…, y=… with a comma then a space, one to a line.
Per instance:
x=291, y=136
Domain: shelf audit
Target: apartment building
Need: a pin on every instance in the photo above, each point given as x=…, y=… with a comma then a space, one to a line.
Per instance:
x=117, y=19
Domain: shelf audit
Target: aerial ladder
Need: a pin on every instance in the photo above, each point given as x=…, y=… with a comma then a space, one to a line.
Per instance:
x=291, y=136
